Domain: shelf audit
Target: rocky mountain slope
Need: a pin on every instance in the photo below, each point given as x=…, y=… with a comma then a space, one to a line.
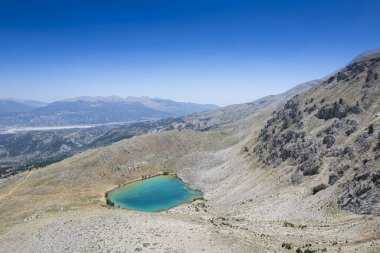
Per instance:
x=233, y=113
x=332, y=133
x=100, y=110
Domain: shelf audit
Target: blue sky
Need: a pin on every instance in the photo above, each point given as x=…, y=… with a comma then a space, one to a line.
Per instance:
x=209, y=51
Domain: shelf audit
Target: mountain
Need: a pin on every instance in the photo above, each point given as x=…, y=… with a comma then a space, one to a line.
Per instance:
x=9, y=107
x=100, y=110
x=232, y=114
x=31, y=103
x=331, y=133
x=29, y=149
x=294, y=173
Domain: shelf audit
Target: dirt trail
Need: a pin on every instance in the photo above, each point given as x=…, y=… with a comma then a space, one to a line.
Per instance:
x=17, y=186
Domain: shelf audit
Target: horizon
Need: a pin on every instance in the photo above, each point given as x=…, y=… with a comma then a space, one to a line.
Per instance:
x=214, y=52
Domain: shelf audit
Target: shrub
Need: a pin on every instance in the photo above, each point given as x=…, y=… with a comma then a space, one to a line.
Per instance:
x=288, y=224
x=370, y=129
x=109, y=202
x=286, y=245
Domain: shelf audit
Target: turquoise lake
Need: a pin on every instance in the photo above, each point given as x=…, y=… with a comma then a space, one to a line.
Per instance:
x=153, y=194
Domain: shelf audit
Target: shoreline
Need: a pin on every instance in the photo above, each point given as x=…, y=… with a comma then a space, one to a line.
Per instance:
x=110, y=203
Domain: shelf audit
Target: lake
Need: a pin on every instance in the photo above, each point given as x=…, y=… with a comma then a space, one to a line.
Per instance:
x=153, y=194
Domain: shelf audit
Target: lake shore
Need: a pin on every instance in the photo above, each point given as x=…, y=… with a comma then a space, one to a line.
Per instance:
x=111, y=198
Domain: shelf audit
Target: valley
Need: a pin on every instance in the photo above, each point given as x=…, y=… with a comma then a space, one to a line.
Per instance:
x=295, y=172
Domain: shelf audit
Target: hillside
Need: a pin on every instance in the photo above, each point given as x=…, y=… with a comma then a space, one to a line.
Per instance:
x=21, y=151
x=331, y=133
x=296, y=175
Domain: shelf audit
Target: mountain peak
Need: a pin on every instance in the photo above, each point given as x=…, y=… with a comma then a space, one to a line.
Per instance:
x=366, y=55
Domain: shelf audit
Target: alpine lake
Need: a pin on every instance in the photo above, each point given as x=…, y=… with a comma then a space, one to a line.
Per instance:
x=153, y=194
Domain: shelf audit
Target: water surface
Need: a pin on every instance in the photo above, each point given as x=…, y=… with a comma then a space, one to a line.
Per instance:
x=153, y=194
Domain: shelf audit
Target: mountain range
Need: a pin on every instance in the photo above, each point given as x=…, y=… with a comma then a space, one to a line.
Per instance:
x=93, y=110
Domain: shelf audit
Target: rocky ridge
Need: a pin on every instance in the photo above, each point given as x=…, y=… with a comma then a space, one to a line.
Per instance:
x=332, y=130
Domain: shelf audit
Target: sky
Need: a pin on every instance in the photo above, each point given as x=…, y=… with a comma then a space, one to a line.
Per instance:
x=204, y=51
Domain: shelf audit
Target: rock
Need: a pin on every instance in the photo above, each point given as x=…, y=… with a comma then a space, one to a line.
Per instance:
x=319, y=188
x=349, y=153
x=311, y=166
x=376, y=178
x=336, y=110
x=332, y=179
x=359, y=194
x=296, y=178
x=329, y=140
x=334, y=152
x=363, y=142
x=310, y=109
x=341, y=76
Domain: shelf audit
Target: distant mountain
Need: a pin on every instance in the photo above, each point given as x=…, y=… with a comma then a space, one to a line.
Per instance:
x=11, y=106
x=96, y=110
x=31, y=103
x=8, y=107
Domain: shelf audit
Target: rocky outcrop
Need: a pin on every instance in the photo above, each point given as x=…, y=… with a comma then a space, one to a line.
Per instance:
x=329, y=140
x=333, y=111
x=338, y=139
x=359, y=194
x=338, y=110
x=319, y=188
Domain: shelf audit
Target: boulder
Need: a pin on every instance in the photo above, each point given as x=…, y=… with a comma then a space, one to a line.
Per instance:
x=319, y=188
x=329, y=140
x=336, y=110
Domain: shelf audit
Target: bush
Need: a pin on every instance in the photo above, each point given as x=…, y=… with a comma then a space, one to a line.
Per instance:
x=286, y=245
x=370, y=129
x=109, y=202
x=288, y=224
